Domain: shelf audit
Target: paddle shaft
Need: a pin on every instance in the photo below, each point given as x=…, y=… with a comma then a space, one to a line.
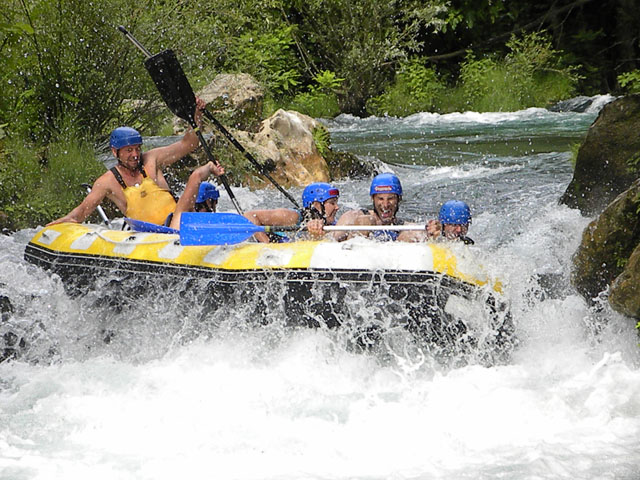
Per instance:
x=191, y=120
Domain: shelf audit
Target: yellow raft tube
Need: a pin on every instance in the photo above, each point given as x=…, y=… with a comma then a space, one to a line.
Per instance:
x=69, y=245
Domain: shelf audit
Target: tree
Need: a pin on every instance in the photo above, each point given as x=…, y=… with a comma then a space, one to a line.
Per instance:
x=362, y=41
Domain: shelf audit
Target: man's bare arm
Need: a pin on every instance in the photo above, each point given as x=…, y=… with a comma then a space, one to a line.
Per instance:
x=87, y=206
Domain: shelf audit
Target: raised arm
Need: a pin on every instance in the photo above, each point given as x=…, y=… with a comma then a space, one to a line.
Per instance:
x=170, y=154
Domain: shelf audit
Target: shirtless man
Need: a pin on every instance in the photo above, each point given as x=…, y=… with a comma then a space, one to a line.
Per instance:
x=386, y=195
x=137, y=185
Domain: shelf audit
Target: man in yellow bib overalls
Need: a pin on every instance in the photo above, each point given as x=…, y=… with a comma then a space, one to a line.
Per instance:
x=137, y=185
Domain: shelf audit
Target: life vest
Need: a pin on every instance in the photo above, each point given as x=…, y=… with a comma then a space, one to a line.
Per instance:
x=282, y=237
x=385, y=235
x=147, y=201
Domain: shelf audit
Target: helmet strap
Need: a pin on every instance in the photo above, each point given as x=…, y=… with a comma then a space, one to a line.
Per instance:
x=312, y=213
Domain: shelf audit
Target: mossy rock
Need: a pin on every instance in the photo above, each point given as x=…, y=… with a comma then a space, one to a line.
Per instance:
x=624, y=295
x=608, y=160
x=607, y=244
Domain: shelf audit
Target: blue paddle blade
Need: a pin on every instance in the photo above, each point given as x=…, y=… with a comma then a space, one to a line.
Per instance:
x=140, y=226
x=215, y=228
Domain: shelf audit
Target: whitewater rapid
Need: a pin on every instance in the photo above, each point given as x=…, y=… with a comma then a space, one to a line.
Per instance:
x=185, y=393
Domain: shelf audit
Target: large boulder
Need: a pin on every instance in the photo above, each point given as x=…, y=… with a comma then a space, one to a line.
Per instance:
x=607, y=244
x=609, y=159
x=285, y=143
x=294, y=148
x=235, y=100
x=286, y=138
x=624, y=295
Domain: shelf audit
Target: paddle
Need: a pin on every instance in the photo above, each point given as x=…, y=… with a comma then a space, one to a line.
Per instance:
x=175, y=89
x=229, y=228
x=140, y=226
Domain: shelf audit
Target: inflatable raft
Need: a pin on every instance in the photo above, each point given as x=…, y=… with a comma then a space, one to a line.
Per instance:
x=436, y=294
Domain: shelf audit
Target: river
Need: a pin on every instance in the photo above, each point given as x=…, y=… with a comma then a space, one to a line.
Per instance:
x=177, y=394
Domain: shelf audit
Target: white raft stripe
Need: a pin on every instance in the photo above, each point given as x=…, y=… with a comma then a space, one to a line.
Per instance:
x=170, y=251
x=370, y=256
x=270, y=257
x=127, y=246
x=218, y=255
x=85, y=241
x=49, y=236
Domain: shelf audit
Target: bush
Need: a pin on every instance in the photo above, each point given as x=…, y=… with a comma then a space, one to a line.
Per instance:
x=532, y=74
x=320, y=101
x=417, y=88
x=39, y=185
x=630, y=81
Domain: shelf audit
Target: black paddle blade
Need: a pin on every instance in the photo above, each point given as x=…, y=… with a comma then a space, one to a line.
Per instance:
x=172, y=83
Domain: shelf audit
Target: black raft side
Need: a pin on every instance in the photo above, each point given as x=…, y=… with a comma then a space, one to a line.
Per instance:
x=306, y=297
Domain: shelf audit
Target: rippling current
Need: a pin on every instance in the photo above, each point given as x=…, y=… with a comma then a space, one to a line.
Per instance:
x=177, y=391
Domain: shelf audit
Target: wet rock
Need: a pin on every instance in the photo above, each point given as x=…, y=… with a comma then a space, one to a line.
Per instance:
x=6, y=308
x=624, y=295
x=578, y=104
x=607, y=243
x=235, y=100
x=12, y=346
x=609, y=159
x=10, y=343
x=6, y=225
x=290, y=144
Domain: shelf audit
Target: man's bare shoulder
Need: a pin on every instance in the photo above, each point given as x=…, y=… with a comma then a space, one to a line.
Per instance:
x=352, y=217
x=106, y=183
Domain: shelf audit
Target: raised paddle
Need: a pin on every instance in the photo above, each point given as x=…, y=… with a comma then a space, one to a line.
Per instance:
x=176, y=91
x=229, y=228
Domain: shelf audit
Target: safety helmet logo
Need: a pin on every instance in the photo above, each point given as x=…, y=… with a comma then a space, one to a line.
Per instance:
x=385, y=183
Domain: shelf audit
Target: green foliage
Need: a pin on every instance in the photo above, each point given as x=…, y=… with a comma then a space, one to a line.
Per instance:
x=37, y=186
x=269, y=57
x=630, y=81
x=363, y=41
x=322, y=139
x=321, y=100
x=417, y=88
x=67, y=59
x=575, y=149
x=532, y=74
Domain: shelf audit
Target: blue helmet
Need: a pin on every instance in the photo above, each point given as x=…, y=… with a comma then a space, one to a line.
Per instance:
x=455, y=212
x=318, y=192
x=124, y=136
x=386, y=183
x=207, y=191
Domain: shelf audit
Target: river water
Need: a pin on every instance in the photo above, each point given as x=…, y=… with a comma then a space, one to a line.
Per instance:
x=176, y=394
